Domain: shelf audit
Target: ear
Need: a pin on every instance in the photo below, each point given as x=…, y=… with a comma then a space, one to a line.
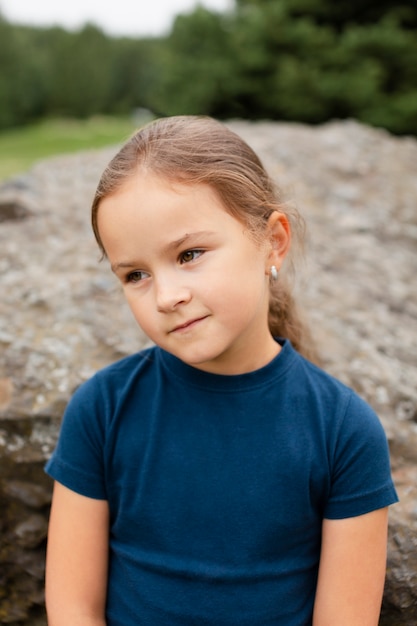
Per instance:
x=279, y=236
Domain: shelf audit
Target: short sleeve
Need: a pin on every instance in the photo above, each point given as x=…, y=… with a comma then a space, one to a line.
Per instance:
x=361, y=475
x=77, y=461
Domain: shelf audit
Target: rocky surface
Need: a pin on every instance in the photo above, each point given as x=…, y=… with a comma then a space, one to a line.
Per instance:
x=62, y=317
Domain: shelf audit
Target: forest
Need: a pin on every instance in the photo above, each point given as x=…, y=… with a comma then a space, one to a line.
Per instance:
x=290, y=60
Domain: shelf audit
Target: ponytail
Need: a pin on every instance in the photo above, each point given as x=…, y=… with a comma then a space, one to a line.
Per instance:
x=286, y=320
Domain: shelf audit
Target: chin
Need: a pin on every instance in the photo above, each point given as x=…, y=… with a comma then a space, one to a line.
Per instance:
x=202, y=360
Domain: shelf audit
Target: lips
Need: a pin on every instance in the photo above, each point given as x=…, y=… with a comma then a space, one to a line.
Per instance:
x=188, y=325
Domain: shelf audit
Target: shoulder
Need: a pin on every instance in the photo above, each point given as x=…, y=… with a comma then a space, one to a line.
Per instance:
x=356, y=447
x=338, y=407
x=311, y=380
x=114, y=381
x=318, y=376
x=93, y=415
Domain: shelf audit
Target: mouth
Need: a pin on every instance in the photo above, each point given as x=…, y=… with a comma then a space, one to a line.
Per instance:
x=188, y=325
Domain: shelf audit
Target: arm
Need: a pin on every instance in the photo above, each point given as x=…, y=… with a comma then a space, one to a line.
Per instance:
x=76, y=562
x=352, y=570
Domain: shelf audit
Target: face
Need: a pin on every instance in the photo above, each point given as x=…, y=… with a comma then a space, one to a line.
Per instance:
x=195, y=280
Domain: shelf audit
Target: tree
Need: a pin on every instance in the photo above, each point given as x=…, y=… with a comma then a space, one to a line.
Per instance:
x=20, y=82
x=342, y=13
x=135, y=74
x=196, y=67
x=79, y=69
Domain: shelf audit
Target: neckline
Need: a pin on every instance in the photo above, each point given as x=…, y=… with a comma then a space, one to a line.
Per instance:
x=221, y=382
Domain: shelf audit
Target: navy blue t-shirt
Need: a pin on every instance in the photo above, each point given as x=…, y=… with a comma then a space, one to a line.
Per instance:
x=218, y=485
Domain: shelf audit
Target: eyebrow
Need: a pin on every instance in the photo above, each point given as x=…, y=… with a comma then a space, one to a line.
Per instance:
x=173, y=245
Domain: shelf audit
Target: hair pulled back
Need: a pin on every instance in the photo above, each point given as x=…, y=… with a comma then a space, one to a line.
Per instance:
x=200, y=150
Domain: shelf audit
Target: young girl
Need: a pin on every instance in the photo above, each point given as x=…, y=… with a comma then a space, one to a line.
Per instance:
x=218, y=478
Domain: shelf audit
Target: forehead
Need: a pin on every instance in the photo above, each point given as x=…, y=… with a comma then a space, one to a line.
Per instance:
x=148, y=207
x=148, y=192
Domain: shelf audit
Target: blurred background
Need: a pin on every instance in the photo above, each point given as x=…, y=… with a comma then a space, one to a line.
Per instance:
x=101, y=68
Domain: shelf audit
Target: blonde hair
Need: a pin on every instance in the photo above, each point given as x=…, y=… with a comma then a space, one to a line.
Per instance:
x=200, y=150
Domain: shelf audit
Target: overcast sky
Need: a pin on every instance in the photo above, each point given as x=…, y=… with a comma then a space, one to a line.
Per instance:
x=122, y=17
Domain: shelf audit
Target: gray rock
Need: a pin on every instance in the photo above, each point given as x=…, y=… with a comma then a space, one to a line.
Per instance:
x=62, y=317
x=31, y=532
x=35, y=496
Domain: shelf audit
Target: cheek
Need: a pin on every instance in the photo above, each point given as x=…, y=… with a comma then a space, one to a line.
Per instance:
x=147, y=324
x=139, y=309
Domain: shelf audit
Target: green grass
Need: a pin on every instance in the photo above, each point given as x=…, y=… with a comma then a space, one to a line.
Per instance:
x=20, y=148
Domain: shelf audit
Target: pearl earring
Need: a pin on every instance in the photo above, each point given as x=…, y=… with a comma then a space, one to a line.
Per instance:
x=274, y=273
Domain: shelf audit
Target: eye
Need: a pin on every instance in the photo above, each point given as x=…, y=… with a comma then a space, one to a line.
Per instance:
x=136, y=277
x=190, y=255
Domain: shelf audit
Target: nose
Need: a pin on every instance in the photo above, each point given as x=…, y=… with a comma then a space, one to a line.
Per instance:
x=170, y=293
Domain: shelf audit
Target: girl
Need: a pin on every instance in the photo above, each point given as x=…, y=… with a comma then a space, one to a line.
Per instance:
x=218, y=478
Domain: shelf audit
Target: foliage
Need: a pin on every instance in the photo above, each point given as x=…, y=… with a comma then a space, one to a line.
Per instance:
x=298, y=60
x=304, y=60
x=196, y=68
x=304, y=69
x=19, y=98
